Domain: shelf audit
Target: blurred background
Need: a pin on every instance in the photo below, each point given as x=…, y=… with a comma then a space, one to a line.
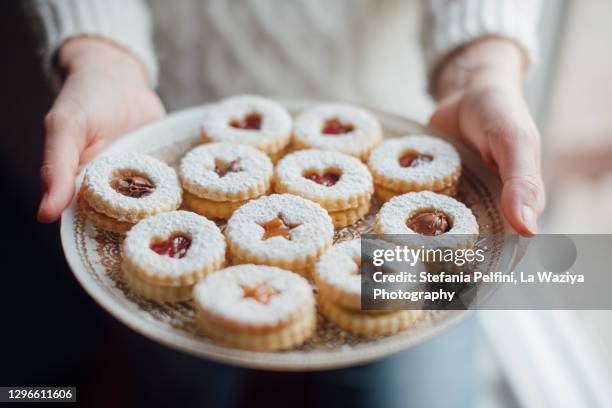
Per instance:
x=528, y=359
x=564, y=358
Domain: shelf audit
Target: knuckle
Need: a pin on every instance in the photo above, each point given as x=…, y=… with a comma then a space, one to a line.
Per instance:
x=529, y=187
x=63, y=116
x=532, y=186
x=57, y=119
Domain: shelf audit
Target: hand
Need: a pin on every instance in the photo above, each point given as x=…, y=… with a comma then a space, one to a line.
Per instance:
x=481, y=103
x=106, y=93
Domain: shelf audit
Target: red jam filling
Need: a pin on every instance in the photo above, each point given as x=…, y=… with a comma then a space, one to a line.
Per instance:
x=414, y=159
x=328, y=179
x=429, y=222
x=252, y=121
x=336, y=127
x=175, y=247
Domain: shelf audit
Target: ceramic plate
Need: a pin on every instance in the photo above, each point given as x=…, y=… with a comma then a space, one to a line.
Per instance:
x=94, y=256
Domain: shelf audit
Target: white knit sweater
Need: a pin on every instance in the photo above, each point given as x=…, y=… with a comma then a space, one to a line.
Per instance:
x=363, y=51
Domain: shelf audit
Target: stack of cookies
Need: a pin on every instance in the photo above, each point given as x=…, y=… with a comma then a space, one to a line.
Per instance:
x=218, y=178
x=118, y=191
x=339, y=127
x=339, y=183
x=251, y=120
x=253, y=307
x=164, y=256
x=338, y=279
x=414, y=163
x=281, y=230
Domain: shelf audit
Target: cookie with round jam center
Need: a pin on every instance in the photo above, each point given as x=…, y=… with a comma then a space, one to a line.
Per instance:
x=133, y=186
x=430, y=222
x=336, y=127
x=175, y=247
x=414, y=159
x=328, y=179
x=252, y=121
x=261, y=293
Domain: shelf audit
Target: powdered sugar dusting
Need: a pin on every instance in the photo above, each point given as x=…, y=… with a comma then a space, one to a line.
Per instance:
x=366, y=132
x=355, y=179
x=98, y=175
x=275, y=125
x=198, y=175
x=222, y=294
x=384, y=160
x=337, y=266
x=314, y=231
x=207, y=243
x=394, y=213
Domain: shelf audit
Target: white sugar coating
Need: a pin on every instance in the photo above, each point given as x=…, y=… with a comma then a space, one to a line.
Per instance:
x=197, y=169
x=337, y=266
x=99, y=174
x=366, y=128
x=207, y=243
x=395, y=213
x=275, y=121
x=355, y=178
x=384, y=160
x=314, y=227
x=222, y=294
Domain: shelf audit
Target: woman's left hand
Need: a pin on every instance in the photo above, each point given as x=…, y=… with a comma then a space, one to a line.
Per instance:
x=481, y=103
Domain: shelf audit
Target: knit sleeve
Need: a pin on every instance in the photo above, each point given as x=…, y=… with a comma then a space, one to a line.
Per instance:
x=126, y=23
x=449, y=24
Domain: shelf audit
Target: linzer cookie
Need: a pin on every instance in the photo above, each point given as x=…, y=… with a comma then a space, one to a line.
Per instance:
x=339, y=183
x=218, y=178
x=413, y=215
x=369, y=323
x=164, y=256
x=255, y=307
x=338, y=278
x=343, y=128
x=414, y=163
x=118, y=191
x=252, y=120
x=280, y=230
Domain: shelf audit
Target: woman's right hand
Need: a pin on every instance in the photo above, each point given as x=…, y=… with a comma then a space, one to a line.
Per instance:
x=106, y=93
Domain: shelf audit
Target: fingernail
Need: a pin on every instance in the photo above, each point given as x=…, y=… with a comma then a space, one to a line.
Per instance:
x=529, y=219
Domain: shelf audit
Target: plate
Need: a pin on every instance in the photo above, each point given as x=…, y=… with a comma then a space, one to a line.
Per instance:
x=94, y=257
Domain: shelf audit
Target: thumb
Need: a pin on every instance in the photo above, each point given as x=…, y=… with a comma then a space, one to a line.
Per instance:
x=446, y=117
x=60, y=163
x=517, y=155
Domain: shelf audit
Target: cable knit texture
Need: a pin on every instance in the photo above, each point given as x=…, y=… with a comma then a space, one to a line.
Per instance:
x=127, y=23
x=450, y=24
x=362, y=51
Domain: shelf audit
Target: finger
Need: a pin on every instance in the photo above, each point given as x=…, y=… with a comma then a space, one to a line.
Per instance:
x=60, y=163
x=91, y=151
x=445, y=118
x=147, y=108
x=516, y=152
